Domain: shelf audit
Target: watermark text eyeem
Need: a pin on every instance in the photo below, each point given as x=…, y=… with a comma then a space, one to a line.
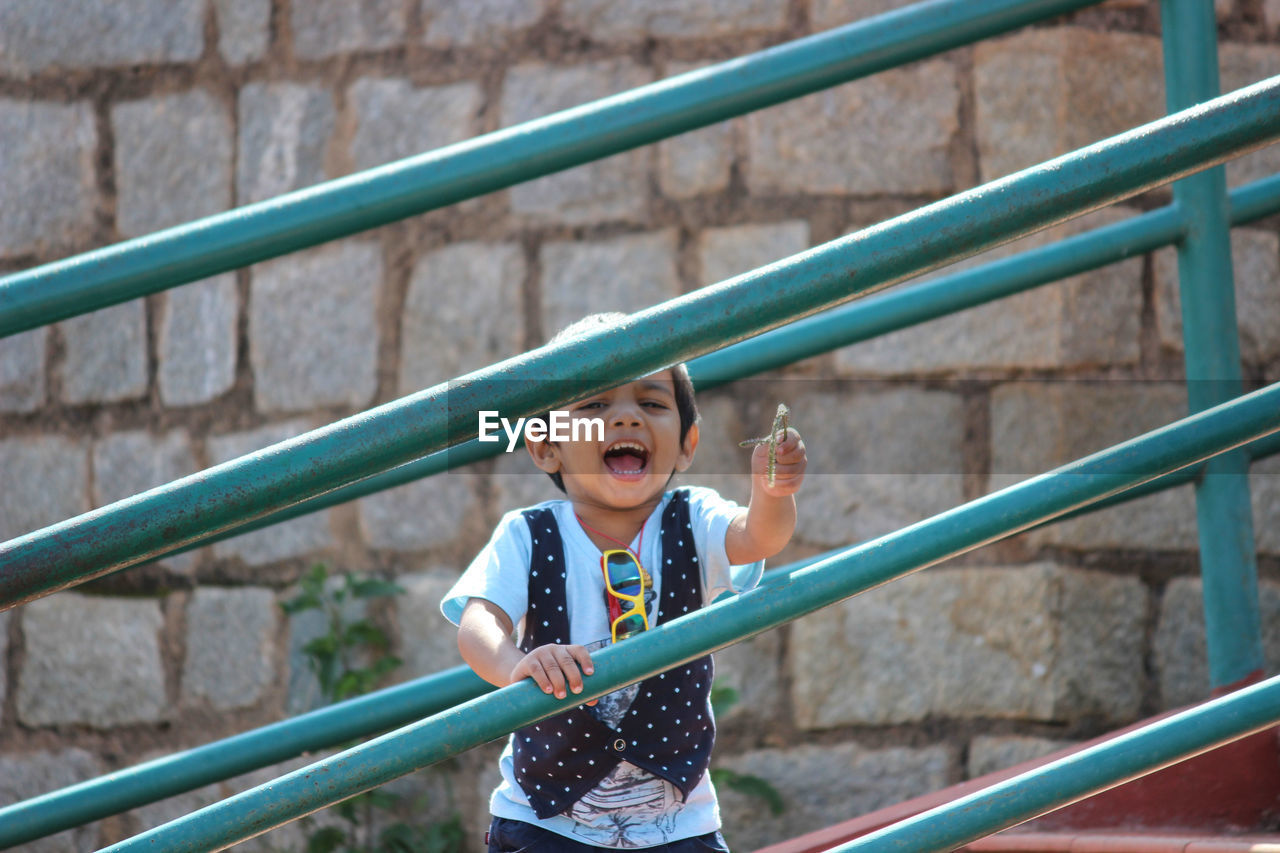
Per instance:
x=561, y=427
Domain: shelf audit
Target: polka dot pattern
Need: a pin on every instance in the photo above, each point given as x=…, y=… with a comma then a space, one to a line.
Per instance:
x=656, y=735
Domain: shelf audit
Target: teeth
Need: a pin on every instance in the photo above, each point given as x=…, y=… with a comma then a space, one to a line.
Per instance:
x=627, y=445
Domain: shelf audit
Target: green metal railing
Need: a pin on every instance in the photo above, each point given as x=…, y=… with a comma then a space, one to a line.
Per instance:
x=498, y=160
x=334, y=463
x=139, y=528
x=673, y=643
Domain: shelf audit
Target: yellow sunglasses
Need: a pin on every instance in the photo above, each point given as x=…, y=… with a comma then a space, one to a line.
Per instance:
x=626, y=580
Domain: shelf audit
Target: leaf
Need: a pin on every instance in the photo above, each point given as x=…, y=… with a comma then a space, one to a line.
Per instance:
x=723, y=697
x=302, y=602
x=326, y=840
x=374, y=588
x=752, y=786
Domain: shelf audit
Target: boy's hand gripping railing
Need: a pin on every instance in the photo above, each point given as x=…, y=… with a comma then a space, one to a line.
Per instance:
x=805, y=590
x=139, y=528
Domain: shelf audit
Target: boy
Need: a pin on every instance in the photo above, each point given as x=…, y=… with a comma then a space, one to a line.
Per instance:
x=641, y=781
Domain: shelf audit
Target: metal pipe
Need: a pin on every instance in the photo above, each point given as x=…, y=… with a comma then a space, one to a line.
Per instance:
x=1211, y=349
x=858, y=321
x=170, y=775
x=722, y=623
x=1186, y=734
x=497, y=160
x=139, y=528
x=919, y=303
x=313, y=731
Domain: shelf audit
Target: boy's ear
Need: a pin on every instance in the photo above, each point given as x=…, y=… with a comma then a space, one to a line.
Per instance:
x=544, y=454
x=687, y=448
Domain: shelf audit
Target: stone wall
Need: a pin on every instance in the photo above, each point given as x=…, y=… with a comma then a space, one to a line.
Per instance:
x=128, y=116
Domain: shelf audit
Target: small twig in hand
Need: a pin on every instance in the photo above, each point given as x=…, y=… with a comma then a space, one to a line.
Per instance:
x=778, y=434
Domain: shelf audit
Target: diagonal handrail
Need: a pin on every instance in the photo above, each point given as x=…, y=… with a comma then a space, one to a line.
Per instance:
x=720, y=624
x=310, y=732
x=138, y=528
x=862, y=320
x=497, y=160
x=1082, y=774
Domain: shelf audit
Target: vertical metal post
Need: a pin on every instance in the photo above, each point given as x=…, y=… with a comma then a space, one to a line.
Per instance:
x=1228, y=565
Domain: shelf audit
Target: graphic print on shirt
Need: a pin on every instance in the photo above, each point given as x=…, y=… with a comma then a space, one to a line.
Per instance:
x=629, y=798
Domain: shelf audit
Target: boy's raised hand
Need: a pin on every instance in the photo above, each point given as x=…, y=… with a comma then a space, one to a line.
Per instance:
x=555, y=668
x=788, y=471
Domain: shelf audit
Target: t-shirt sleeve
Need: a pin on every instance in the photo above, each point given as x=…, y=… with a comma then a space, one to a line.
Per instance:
x=710, y=515
x=499, y=573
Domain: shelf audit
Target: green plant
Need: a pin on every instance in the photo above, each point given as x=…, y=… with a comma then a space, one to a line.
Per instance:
x=724, y=697
x=350, y=658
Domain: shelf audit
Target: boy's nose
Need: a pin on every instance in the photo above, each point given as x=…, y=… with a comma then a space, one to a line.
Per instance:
x=626, y=415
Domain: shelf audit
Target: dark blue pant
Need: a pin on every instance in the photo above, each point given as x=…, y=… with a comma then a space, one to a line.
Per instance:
x=513, y=836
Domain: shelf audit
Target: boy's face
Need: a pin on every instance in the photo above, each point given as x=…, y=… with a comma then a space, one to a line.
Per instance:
x=640, y=451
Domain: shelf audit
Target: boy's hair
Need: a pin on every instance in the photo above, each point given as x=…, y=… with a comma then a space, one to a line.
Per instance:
x=686, y=404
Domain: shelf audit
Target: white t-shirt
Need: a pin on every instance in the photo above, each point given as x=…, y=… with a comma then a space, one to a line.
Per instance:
x=629, y=808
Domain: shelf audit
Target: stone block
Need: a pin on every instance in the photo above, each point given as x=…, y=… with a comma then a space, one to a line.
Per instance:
x=726, y=252
x=36, y=36
x=699, y=161
x=284, y=133
x=1255, y=261
x=1181, y=659
x=428, y=641
x=616, y=188
x=991, y=753
x=22, y=371
x=323, y=28
x=172, y=160
x=30, y=774
x=106, y=354
x=1039, y=642
x=477, y=22
x=197, y=341
x=1044, y=92
x=617, y=20
x=819, y=782
x=1264, y=482
x=91, y=661
x=313, y=332
x=1038, y=426
x=1087, y=320
x=129, y=463
x=464, y=310
x=231, y=635
x=1243, y=65
x=43, y=480
x=752, y=669
x=395, y=119
x=426, y=513
x=855, y=138
x=1271, y=13
x=719, y=463
x=244, y=29
x=294, y=538
x=46, y=168
x=621, y=274
x=834, y=13
x=878, y=460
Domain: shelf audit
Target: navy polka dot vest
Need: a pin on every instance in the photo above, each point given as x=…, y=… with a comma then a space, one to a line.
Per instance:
x=668, y=730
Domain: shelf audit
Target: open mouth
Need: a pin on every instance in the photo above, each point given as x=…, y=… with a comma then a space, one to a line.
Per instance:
x=626, y=458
